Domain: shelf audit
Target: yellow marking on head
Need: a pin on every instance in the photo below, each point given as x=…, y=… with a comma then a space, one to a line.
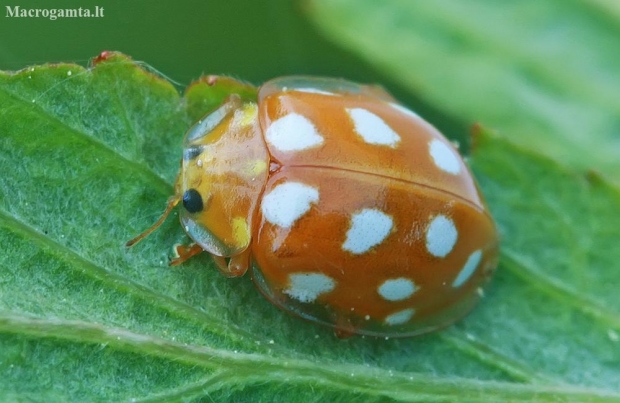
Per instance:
x=240, y=231
x=247, y=115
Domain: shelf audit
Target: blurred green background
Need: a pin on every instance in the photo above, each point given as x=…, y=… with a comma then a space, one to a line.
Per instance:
x=250, y=40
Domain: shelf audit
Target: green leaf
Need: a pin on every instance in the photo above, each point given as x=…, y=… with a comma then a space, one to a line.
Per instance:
x=544, y=73
x=207, y=93
x=88, y=158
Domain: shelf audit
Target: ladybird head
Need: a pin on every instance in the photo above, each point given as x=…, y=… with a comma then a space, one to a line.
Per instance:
x=223, y=171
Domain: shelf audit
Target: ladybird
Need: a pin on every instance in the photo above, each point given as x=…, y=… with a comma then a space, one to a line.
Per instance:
x=347, y=208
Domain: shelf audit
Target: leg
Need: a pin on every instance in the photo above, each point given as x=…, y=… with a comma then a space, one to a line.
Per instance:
x=185, y=253
x=238, y=264
x=235, y=266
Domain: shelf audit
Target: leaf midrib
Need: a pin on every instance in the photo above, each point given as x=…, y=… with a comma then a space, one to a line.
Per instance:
x=244, y=368
x=155, y=180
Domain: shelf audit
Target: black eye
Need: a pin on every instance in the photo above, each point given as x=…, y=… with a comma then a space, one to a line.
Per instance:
x=192, y=201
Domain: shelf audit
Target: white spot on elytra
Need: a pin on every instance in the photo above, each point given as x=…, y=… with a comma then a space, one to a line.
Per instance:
x=306, y=287
x=470, y=266
x=287, y=202
x=372, y=128
x=293, y=132
x=312, y=91
x=369, y=228
x=400, y=317
x=444, y=157
x=397, y=289
x=441, y=236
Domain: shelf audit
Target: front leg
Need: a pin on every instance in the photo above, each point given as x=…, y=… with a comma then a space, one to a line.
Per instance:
x=185, y=252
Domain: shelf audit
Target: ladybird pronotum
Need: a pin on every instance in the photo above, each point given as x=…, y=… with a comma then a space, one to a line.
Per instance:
x=349, y=209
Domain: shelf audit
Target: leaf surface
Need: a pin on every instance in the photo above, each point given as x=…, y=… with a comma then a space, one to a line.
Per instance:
x=88, y=158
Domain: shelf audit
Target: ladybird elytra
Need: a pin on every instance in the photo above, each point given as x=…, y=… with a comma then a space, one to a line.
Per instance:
x=350, y=209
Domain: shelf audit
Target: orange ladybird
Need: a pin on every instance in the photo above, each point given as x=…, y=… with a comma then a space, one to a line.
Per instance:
x=349, y=209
